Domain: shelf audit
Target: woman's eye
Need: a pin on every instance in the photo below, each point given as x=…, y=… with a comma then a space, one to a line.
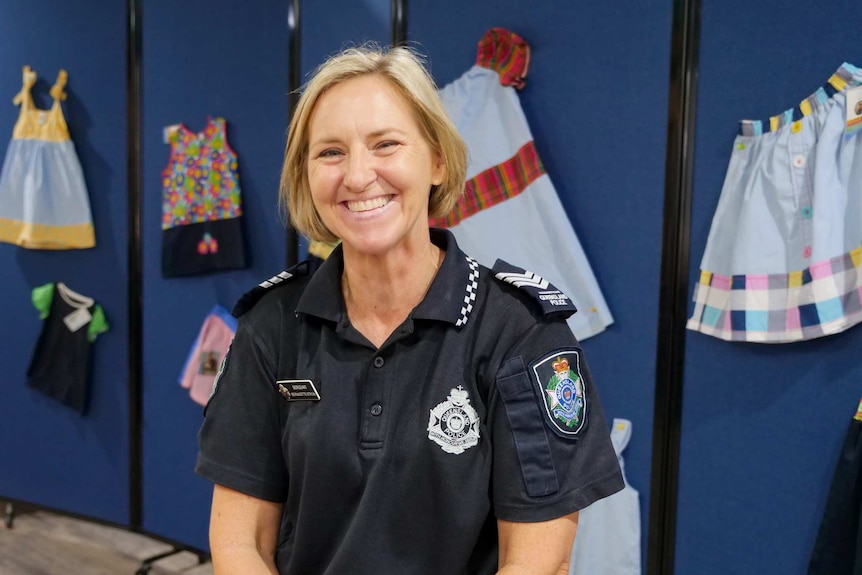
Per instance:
x=387, y=144
x=328, y=153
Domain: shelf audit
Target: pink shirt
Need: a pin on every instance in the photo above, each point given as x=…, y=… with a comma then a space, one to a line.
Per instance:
x=207, y=354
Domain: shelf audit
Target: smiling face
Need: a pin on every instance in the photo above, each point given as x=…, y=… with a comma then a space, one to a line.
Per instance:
x=370, y=169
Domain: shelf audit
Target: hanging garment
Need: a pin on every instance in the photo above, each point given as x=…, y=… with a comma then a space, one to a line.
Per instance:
x=43, y=198
x=510, y=209
x=201, y=206
x=207, y=353
x=838, y=548
x=608, y=539
x=782, y=260
x=60, y=366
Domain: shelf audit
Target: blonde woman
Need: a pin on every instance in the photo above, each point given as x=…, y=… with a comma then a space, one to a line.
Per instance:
x=403, y=409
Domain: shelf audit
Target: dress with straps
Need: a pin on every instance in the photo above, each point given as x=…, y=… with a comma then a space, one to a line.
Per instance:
x=510, y=209
x=43, y=197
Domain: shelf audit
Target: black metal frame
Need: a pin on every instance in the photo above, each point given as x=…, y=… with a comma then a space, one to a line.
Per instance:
x=135, y=255
x=398, y=12
x=673, y=298
x=294, y=38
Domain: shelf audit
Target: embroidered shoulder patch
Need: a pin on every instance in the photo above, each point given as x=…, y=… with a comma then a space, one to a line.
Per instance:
x=454, y=424
x=562, y=390
x=552, y=300
x=252, y=296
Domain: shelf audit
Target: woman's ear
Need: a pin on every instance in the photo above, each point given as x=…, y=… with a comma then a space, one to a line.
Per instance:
x=439, y=171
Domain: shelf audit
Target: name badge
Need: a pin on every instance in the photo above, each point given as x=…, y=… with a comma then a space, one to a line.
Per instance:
x=298, y=390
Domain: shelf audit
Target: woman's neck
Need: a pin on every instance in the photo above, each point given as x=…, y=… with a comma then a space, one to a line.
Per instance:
x=380, y=292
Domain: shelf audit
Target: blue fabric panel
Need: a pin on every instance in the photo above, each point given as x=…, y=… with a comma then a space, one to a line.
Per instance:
x=229, y=60
x=596, y=101
x=49, y=455
x=328, y=27
x=762, y=425
x=219, y=58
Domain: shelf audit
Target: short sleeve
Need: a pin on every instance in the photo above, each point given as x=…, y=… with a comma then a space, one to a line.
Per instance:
x=240, y=439
x=552, y=449
x=41, y=297
x=98, y=324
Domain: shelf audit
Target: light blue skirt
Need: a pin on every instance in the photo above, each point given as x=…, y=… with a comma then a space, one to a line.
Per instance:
x=43, y=198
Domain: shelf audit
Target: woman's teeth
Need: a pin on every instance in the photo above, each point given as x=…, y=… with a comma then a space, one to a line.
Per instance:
x=365, y=205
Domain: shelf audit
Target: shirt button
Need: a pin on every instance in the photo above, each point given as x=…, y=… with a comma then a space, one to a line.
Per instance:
x=799, y=161
x=376, y=409
x=806, y=253
x=378, y=361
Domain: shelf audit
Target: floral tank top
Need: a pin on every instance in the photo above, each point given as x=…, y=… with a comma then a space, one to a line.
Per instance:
x=202, y=207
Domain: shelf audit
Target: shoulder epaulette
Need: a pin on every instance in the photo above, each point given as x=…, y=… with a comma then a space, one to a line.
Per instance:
x=252, y=296
x=551, y=300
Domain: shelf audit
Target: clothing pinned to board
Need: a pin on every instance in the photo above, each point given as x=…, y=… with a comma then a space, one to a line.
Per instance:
x=71, y=322
x=510, y=209
x=608, y=541
x=838, y=548
x=43, y=197
x=783, y=256
x=207, y=354
x=201, y=205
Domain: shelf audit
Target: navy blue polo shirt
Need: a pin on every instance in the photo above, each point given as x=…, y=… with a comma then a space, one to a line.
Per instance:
x=400, y=459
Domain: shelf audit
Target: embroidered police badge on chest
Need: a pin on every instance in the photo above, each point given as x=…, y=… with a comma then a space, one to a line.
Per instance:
x=563, y=391
x=297, y=390
x=454, y=424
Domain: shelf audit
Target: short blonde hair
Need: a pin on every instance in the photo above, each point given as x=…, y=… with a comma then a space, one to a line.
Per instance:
x=405, y=70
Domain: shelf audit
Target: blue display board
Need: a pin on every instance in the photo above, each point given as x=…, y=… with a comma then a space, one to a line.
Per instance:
x=762, y=424
x=328, y=27
x=50, y=454
x=596, y=100
x=230, y=61
x=200, y=59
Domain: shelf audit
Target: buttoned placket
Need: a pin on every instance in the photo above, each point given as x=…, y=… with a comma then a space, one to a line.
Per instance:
x=798, y=150
x=376, y=389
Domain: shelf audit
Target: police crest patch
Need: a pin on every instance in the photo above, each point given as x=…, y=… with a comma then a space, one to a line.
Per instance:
x=563, y=391
x=454, y=424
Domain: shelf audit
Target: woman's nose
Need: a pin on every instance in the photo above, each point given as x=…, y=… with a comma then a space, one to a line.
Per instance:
x=360, y=172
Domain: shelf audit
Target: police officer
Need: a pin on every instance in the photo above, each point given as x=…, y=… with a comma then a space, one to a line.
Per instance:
x=403, y=409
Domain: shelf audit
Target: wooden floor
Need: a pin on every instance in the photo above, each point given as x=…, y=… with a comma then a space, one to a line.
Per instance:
x=44, y=543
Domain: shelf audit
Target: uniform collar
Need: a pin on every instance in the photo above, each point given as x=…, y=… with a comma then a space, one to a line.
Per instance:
x=450, y=298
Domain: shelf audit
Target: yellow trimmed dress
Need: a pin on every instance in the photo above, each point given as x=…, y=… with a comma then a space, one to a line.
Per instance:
x=43, y=197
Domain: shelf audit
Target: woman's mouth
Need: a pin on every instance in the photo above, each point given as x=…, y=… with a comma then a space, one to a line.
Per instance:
x=367, y=205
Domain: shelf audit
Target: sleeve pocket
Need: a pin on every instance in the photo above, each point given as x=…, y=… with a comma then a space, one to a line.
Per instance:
x=526, y=422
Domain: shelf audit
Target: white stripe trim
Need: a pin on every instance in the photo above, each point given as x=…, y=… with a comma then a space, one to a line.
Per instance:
x=275, y=280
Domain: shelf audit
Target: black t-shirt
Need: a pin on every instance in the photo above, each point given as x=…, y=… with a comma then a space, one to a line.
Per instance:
x=60, y=365
x=479, y=406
